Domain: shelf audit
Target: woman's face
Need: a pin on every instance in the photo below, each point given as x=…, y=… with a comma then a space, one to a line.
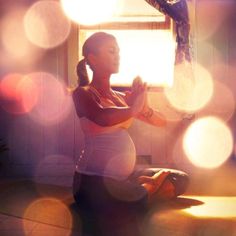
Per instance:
x=107, y=60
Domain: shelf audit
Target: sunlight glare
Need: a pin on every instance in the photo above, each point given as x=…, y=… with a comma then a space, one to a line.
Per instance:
x=214, y=207
x=149, y=54
x=89, y=12
x=14, y=40
x=159, y=102
x=121, y=165
x=50, y=211
x=18, y=93
x=46, y=25
x=54, y=104
x=142, y=57
x=190, y=93
x=208, y=142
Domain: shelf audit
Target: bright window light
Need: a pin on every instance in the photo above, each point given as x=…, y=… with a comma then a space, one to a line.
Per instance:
x=147, y=53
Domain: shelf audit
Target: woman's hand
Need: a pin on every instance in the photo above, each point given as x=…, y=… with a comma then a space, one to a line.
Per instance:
x=136, y=88
x=138, y=95
x=137, y=85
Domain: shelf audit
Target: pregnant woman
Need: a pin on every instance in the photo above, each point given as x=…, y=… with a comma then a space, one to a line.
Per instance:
x=106, y=187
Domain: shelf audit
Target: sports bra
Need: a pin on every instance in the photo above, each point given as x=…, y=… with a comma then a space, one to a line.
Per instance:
x=91, y=128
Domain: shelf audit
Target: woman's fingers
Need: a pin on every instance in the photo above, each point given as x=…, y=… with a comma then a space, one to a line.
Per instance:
x=167, y=191
x=139, y=96
x=134, y=84
x=137, y=85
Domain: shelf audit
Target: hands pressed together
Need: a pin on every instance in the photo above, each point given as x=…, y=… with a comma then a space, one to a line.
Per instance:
x=137, y=97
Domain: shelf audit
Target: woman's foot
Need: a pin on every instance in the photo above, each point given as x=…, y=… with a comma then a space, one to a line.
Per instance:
x=158, y=184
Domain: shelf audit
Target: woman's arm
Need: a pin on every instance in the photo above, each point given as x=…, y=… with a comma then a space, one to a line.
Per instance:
x=152, y=117
x=87, y=106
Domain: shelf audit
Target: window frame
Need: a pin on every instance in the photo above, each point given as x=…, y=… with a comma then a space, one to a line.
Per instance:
x=72, y=46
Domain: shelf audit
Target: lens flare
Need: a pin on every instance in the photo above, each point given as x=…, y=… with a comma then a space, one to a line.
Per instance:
x=50, y=211
x=121, y=158
x=14, y=41
x=13, y=38
x=89, y=12
x=54, y=104
x=156, y=43
x=126, y=165
x=159, y=102
x=18, y=93
x=208, y=142
x=46, y=25
x=190, y=93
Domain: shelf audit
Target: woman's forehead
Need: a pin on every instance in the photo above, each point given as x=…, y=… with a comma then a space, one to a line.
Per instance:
x=110, y=43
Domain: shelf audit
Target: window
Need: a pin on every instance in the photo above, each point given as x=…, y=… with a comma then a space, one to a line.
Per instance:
x=147, y=49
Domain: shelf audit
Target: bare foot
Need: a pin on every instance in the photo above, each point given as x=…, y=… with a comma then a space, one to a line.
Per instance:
x=166, y=192
x=159, y=178
x=152, y=184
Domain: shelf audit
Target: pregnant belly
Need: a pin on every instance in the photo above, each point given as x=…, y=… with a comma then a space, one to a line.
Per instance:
x=112, y=155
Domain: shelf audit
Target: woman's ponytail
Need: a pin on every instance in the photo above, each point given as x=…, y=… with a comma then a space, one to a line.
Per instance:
x=82, y=74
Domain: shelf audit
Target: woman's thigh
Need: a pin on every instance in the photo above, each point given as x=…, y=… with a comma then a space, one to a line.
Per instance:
x=102, y=193
x=111, y=204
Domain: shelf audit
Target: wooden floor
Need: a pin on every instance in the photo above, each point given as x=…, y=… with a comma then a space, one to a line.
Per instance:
x=207, y=209
x=209, y=220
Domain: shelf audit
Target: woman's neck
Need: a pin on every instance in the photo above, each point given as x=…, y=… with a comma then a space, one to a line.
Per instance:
x=101, y=83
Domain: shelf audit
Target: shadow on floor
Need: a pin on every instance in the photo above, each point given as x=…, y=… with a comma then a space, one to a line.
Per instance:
x=55, y=206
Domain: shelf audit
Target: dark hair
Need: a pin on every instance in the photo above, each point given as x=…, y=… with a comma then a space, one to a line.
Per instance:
x=82, y=73
x=91, y=46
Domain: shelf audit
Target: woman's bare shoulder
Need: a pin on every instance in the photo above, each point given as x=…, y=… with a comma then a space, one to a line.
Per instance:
x=83, y=95
x=81, y=92
x=85, y=103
